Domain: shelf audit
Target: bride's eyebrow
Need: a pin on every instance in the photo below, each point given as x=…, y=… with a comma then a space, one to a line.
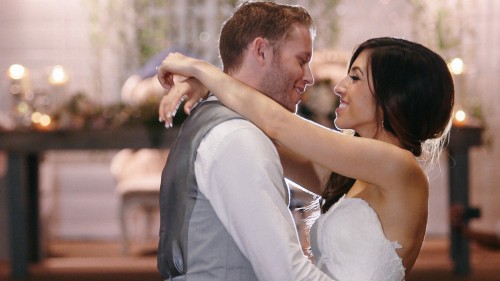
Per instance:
x=357, y=68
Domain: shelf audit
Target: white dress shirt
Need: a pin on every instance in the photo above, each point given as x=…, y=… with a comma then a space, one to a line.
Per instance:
x=238, y=169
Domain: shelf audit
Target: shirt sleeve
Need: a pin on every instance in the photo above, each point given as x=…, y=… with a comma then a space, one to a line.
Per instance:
x=238, y=169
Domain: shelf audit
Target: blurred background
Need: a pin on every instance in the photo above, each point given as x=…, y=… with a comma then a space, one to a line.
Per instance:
x=87, y=65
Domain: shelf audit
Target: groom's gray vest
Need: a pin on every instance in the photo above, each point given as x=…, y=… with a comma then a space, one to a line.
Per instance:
x=194, y=245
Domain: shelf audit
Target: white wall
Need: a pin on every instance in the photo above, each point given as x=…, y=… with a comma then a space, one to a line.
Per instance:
x=78, y=195
x=40, y=34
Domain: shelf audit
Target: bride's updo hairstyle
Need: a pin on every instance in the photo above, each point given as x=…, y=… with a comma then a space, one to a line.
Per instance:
x=413, y=88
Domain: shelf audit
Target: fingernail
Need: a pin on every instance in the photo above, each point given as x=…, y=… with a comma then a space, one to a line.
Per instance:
x=160, y=119
x=168, y=125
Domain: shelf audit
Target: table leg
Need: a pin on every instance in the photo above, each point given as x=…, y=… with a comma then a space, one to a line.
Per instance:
x=17, y=208
x=461, y=139
x=459, y=193
x=22, y=206
x=34, y=250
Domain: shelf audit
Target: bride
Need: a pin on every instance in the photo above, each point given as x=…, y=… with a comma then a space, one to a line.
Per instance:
x=398, y=98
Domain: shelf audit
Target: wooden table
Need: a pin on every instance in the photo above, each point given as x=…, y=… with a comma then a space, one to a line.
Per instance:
x=24, y=149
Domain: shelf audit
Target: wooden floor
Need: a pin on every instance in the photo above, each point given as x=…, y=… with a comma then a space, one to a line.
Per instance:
x=434, y=264
x=102, y=261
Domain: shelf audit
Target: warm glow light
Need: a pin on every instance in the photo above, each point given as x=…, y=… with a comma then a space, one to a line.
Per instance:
x=23, y=108
x=16, y=72
x=36, y=117
x=58, y=76
x=45, y=120
x=460, y=116
x=41, y=121
x=457, y=66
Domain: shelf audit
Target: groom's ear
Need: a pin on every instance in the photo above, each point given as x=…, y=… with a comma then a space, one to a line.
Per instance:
x=261, y=50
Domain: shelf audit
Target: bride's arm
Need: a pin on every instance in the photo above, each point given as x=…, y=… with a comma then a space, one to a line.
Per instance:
x=302, y=171
x=296, y=168
x=231, y=92
x=358, y=158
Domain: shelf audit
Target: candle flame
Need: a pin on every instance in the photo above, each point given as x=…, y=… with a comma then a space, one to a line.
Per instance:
x=16, y=72
x=58, y=75
x=460, y=116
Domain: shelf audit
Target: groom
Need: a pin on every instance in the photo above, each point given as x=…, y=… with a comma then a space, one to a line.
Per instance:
x=223, y=202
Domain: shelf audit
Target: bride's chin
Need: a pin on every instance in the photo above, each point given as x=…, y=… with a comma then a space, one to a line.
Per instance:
x=338, y=124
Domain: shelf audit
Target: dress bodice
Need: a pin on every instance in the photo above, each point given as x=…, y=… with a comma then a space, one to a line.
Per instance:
x=348, y=243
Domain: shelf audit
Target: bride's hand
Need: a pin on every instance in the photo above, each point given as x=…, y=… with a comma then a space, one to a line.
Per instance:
x=183, y=89
x=174, y=63
x=174, y=75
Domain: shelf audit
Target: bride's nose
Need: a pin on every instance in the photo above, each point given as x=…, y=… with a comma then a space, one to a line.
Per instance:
x=339, y=89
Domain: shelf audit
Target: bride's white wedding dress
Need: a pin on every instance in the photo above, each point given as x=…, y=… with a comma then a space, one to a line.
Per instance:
x=348, y=243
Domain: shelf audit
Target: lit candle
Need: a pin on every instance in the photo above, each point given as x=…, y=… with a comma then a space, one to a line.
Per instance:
x=58, y=76
x=16, y=72
x=18, y=76
x=58, y=79
x=41, y=121
x=456, y=66
x=460, y=118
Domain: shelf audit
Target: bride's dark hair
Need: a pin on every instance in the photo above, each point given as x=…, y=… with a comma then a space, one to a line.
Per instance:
x=413, y=88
